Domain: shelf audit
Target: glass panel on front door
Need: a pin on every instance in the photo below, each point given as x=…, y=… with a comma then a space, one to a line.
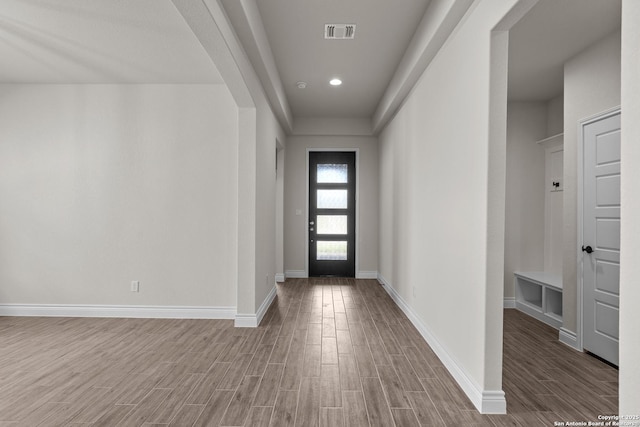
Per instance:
x=332, y=199
x=332, y=224
x=332, y=174
x=332, y=214
x=331, y=251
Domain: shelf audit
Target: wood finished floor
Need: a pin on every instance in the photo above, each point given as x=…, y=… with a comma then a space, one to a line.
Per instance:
x=330, y=352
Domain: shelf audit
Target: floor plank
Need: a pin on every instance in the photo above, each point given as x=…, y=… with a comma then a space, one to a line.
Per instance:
x=214, y=410
x=259, y=416
x=266, y=395
x=331, y=417
x=308, y=414
x=377, y=408
x=284, y=411
x=240, y=404
x=355, y=410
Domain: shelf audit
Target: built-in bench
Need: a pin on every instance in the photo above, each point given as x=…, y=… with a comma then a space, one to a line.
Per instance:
x=539, y=294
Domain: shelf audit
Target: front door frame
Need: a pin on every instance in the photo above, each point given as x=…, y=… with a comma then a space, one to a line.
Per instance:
x=306, y=208
x=580, y=255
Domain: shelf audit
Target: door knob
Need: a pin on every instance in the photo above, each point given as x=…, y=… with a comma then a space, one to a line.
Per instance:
x=587, y=249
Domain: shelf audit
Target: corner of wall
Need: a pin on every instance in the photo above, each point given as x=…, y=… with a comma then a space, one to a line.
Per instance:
x=253, y=320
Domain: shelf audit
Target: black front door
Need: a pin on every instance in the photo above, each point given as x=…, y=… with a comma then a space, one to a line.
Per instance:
x=332, y=207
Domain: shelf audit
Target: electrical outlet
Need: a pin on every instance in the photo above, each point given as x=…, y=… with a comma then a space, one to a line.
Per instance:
x=413, y=291
x=267, y=280
x=135, y=286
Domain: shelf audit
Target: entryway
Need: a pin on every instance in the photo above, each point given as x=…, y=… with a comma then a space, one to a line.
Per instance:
x=332, y=220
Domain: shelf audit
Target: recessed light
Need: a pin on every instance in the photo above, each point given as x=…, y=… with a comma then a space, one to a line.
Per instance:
x=301, y=85
x=335, y=82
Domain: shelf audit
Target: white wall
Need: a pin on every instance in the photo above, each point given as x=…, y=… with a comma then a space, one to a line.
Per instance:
x=295, y=194
x=280, y=214
x=257, y=243
x=630, y=227
x=591, y=85
x=435, y=249
x=331, y=126
x=525, y=190
x=104, y=184
x=268, y=133
x=555, y=116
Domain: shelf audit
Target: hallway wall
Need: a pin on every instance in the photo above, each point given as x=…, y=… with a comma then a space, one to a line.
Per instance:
x=104, y=184
x=268, y=132
x=435, y=246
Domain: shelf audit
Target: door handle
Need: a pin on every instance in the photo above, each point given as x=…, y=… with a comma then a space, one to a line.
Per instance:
x=587, y=249
x=311, y=222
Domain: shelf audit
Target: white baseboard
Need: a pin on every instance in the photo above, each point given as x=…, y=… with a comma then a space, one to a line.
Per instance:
x=279, y=277
x=262, y=310
x=569, y=338
x=296, y=274
x=493, y=402
x=253, y=320
x=125, y=311
x=367, y=275
x=486, y=401
x=509, y=302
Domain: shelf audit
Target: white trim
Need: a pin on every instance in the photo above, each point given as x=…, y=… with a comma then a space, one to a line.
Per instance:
x=357, y=212
x=124, y=311
x=577, y=342
x=509, y=302
x=493, y=402
x=253, y=320
x=245, y=321
x=554, y=141
x=569, y=338
x=296, y=274
x=262, y=310
x=366, y=275
x=306, y=216
x=485, y=401
x=280, y=277
x=385, y=284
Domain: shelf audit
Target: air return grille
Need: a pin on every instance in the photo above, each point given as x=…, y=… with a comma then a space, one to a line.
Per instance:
x=339, y=31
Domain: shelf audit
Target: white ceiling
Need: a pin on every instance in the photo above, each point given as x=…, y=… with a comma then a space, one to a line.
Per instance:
x=148, y=41
x=552, y=32
x=99, y=41
x=295, y=31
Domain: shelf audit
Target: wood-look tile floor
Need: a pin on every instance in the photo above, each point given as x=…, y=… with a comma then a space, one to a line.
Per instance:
x=330, y=352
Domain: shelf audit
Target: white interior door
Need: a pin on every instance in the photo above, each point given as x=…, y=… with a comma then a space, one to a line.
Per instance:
x=601, y=236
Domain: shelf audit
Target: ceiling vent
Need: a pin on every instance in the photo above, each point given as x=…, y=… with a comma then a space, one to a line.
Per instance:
x=339, y=31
